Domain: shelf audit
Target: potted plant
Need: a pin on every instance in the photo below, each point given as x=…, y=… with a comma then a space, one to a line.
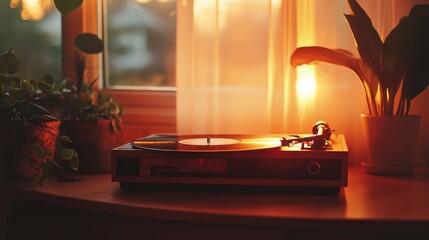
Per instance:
x=392, y=73
x=92, y=120
x=30, y=144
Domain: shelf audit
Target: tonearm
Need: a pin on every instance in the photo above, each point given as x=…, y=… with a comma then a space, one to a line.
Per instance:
x=321, y=133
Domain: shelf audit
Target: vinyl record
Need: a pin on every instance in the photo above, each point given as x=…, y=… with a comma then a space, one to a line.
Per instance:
x=206, y=143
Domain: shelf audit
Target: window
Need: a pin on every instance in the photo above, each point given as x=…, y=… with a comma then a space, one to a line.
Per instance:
x=140, y=38
x=35, y=36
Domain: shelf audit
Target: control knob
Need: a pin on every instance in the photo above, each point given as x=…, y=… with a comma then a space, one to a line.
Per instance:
x=314, y=168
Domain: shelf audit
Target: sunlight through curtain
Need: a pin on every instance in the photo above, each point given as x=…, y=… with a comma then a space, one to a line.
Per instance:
x=234, y=76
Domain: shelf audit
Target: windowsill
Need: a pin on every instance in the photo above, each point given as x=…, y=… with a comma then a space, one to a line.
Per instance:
x=370, y=206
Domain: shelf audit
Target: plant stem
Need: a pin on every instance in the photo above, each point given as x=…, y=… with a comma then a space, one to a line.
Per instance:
x=408, y=105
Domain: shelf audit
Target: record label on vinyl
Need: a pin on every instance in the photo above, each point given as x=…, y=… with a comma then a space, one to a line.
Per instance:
x=206, y=143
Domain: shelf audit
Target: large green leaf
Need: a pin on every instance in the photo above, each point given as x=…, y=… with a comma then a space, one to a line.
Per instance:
x=398, y=52
x=89, y=43
x=419, y=10
x=416, y=80
x=67, y=6
x=367, y=38
x=417, y=74
x=307, y=55
x=368, y=43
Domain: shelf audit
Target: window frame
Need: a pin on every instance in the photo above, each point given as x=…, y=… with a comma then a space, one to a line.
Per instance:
x=145, y=111
x=101, y=15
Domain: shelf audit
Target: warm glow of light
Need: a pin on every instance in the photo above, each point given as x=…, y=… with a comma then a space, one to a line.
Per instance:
x=379, y=96
x=32, y=9
x=306, y=83
x=14, y=3
x=206, y=20
x=148, y=1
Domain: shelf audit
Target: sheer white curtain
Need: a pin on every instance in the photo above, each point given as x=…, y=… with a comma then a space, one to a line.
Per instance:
x=234, y=76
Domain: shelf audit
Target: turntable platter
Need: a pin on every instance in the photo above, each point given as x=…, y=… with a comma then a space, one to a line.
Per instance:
x=206, y=143
x=209, y=141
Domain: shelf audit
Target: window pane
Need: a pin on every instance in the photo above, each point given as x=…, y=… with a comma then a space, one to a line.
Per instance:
x=141, y=39
x=37, y=43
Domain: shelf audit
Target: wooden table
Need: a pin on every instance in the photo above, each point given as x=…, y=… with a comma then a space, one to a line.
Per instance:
x=371, y=207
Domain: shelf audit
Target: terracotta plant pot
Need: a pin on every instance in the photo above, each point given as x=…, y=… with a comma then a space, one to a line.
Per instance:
x=93, y=141
x=16, y=148
x=391, y=143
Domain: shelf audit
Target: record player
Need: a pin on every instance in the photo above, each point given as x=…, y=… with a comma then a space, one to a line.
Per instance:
x=317, y=160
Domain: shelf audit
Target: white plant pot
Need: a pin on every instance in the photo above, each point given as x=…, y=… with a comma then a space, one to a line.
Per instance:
x=391, y=143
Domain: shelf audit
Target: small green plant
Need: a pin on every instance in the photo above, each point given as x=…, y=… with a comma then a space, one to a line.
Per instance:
x=78, y=98
x=80, y=102
x=22, y=104
x=400, y=62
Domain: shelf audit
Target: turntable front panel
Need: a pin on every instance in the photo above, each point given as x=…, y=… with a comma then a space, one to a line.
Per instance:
x=279, y=166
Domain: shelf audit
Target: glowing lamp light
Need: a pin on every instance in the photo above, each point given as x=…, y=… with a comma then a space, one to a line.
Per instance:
x=32, y=9
x=306, y=82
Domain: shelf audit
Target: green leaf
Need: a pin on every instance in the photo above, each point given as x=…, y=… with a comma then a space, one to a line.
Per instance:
x=359, y=12
x=67, y=6
x=368, y=40
x=307, y=55
x=417, y=74
x=17, y=82
x=74, y=162
x=89, y=43
x=368, y=43
x=419, y=10
x=46, y=171
x=17, y=95
x=91, y=85
x=116, y=124
x=34, y=83
x=397, y=54
x=114, y=108
x=2, y=90
x=66, y=153
x=49, y=83
x=38, y=151
x=9, y=62
x=28, y=87
x=49, y=79
x=45, y=87
x=64, y=138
